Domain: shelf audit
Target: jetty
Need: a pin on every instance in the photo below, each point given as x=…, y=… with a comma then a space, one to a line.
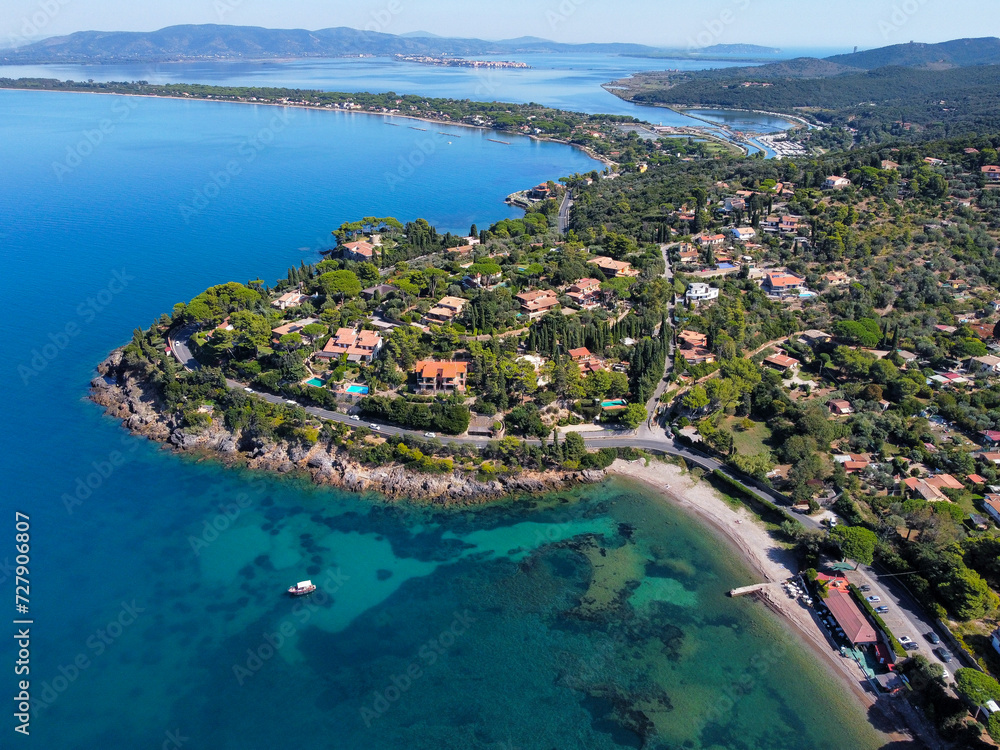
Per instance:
x=494, y=140
x=744, y=590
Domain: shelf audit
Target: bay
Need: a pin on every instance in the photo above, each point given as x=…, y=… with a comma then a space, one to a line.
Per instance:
x=158, y=582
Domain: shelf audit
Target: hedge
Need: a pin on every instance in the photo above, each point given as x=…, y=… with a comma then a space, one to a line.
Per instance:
x=740, y=488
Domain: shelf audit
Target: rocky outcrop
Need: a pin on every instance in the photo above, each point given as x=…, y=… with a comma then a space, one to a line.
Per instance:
x=134, y=401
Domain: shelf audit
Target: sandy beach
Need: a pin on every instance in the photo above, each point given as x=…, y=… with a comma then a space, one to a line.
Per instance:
x=773, y=563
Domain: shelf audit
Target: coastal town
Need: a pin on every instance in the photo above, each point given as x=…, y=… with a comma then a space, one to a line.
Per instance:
x=761, y=329
x=459, y=62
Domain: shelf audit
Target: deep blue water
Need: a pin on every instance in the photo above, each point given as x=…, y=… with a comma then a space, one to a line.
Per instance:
x=157, y=582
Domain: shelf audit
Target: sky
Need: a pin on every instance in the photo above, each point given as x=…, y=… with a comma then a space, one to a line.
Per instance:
x=664, y=23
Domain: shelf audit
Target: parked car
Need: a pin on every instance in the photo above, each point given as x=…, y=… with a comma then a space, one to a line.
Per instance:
x=882, y=610
x=933, y=638
x=248, y=390
x=873, y=598
x=905, y=639
x=293, y=403
x=376, y=427
x=945, y=654
x=866, y=588
x=356, y=418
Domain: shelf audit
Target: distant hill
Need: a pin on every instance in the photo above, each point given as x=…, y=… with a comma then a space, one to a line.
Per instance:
x=738, y=50
x=956, y=53
x=420, y=35
x=217, y=42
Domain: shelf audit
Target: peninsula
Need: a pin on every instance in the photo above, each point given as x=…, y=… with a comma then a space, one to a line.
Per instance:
x=818, y=335
x=458, y=62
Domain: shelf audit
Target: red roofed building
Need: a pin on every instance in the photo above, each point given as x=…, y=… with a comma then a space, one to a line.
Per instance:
x=537, y=303
x=783, y=284
x=847, y=613
x=991, y=172
x=359, y=346
x=585, y=292
x=441, y=377
x=694, y=347
x=359, y=251
x=781, y=362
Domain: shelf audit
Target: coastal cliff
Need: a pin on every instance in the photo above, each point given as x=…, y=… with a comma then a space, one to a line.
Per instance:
x=136, y=402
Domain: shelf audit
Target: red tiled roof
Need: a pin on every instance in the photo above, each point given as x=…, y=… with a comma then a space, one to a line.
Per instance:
x=446, y=370
x=850, y=617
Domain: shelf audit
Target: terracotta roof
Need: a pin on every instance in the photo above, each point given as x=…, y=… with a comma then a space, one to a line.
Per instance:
x=849, y=616
x=446, y=370
x=777, y=280
x=781, y=361
x=360, y=248
x=581, y=353
x=944, y=480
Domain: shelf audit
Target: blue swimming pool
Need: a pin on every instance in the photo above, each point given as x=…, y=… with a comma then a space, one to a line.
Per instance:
x=316, y=382
x=362, y=389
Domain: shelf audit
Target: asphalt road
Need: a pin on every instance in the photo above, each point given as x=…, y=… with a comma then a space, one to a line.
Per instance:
x=905, y=617
x=567, y=204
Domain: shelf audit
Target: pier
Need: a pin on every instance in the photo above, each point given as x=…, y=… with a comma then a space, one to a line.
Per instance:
x=744, y=590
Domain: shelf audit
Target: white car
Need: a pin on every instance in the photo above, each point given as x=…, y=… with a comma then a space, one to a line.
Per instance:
x=873, y=598
x=904, y=639
x=293, y=403
x=430, y=434
x=356, y=418
x=375, y=427
x=248, y=390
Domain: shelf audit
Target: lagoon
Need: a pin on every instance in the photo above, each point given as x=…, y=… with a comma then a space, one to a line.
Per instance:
x=567, y=81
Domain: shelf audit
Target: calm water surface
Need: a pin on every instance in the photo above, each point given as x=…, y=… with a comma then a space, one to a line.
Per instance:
x=567, y=81
x=580, y=620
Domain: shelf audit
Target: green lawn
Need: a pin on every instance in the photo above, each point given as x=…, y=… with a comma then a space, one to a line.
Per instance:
x=752, y=441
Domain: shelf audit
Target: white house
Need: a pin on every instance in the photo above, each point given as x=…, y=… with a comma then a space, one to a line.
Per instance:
x=835, y=182
x=743, y=234
x=989, y=364
x=698, y=293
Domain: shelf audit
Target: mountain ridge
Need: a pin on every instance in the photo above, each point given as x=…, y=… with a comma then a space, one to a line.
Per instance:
x=220, y=42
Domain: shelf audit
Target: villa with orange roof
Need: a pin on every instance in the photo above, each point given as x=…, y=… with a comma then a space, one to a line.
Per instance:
x=359, y=346
x=441, y=377
x=359, y=251
x=783, y=284
x=445, y=311
x=694, y=347
x=538, y=302
x=585, y=292
x=616, y=268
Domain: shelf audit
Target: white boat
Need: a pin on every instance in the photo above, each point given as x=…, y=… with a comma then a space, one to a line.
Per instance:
x=302, y=588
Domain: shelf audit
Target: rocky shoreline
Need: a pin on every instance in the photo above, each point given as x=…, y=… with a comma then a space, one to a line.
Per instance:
x=139, y=408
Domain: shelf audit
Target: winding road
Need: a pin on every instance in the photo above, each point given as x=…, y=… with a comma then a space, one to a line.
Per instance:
x=905, y=616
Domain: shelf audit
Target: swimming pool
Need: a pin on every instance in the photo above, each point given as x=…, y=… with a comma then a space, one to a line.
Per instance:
x=362, y=389
x=612, y=404
x=315, y=382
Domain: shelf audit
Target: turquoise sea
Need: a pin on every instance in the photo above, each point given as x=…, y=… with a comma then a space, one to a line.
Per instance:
x=590, y=619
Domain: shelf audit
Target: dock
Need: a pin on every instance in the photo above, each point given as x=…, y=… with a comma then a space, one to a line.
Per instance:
x=744, y=590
